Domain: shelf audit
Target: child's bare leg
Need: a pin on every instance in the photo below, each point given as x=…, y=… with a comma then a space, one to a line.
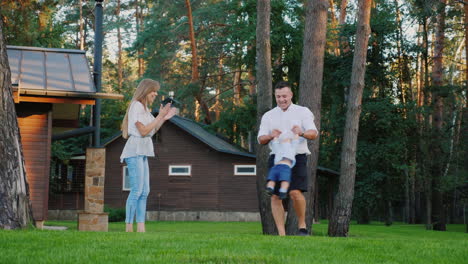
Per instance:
x=270, y=189
x=271, y=184
x=284, y=185
x=283, y=191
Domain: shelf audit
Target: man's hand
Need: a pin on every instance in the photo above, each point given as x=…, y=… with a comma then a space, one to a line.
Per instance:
x=267, y=138
x=297, y=130
x=275, y=133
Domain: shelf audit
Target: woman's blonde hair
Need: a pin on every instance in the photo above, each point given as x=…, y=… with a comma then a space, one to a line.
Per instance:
x=145, y=87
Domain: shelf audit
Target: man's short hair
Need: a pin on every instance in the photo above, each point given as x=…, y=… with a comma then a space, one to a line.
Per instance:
x=282, y=84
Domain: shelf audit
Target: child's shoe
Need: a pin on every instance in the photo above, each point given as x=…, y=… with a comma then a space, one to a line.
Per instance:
x=283, y=195
x=269, y=191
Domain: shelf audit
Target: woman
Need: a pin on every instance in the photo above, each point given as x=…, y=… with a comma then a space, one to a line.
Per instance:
x=139, y=125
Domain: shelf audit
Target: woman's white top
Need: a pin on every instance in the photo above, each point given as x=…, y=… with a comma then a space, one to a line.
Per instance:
x=136, y=144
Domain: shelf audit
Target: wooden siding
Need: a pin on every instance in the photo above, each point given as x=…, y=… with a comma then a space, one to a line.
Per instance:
x=35, y=123
x=212, y=185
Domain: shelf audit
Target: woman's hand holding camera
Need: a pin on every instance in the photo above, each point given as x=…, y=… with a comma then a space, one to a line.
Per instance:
x=163, y=110
x=172, y=112
x=167, y=112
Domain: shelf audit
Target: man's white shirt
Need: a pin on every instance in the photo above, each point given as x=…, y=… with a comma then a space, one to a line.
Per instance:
x=285, y=120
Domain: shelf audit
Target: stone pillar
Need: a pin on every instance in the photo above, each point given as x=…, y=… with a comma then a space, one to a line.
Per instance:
x=93, y=217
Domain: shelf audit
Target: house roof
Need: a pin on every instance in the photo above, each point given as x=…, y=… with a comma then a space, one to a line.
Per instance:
x=206, y=137
x=194, y=129
x=52, y=72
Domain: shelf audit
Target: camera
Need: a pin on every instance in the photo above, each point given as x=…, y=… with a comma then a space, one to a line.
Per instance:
x=170, y=99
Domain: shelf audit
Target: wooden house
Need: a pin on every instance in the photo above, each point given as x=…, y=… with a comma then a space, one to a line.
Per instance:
x=194, y=171
x=49, y=87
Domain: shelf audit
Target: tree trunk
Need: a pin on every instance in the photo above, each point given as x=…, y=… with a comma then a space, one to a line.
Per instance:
x=344, y=42
x=139, y=28
x=195, y=73
x=438, y=215
x=412, y=210
x=237, y=85
x=339, y=222
x=252, y=89
x=335, y=45
x=466, y=52
x=119, y=51
x=465, y=111
x=193, y=44
x=217, y=106
x=82, y=35
x=406, y=217
x=344, y=4
x=399, y=52
x=426, y=99
x=15, y=208
x=310, y=94
x=264, y=98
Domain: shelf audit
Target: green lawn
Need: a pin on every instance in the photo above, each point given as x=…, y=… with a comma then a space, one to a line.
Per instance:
x=232, y=242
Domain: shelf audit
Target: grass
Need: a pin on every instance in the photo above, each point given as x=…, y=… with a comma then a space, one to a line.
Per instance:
x=232, y=242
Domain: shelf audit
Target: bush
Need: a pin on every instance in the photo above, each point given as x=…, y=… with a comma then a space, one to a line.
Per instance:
x=115, y=214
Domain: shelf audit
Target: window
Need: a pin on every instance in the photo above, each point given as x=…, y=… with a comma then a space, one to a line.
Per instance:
x=125, y=179
x=180, y=170
x=245, y=170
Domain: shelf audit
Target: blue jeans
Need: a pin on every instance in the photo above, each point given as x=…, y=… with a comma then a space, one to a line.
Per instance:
x=139, y=188
x=279, y=173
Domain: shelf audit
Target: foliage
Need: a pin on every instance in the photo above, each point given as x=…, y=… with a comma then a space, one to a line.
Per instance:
x=31, y=23
x=115, y=214
x=239, y=117
x=382, y=155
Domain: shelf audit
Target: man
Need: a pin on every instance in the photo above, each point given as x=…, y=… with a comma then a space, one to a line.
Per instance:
x=300, y=120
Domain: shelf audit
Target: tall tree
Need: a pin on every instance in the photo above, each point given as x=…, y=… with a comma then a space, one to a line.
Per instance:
x=193, y=43
x=438, y=216
x=195, y=72
x=264, y=97
x=465, y=5
x=343, y=41
x=15, y=210
x=139, y=27
x=344, y=5
x=341, y=214
x=81, y=31
x=310, y=93
x=119, y=49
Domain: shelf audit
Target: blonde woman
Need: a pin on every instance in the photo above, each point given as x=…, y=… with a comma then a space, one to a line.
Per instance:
x=139, y=125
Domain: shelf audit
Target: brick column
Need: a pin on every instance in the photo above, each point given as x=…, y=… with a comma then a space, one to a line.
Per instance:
x=93, y=217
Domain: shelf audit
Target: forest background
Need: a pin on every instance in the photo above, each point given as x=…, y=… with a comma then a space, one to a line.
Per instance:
x=395, y=152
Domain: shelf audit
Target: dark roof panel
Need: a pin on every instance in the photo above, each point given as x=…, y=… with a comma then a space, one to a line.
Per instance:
x=202, y=134
x=194, y=129
x=50, y=69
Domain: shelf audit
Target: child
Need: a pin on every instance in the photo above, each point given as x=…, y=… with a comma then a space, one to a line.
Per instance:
x=284, y=148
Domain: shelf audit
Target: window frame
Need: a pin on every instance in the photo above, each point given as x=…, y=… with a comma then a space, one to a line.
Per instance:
x=189, y=173
x=236, y=173
x=124, y=169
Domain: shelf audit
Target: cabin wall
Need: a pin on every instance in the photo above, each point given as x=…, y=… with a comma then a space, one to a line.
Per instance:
x=35, y=124
x=212, y=185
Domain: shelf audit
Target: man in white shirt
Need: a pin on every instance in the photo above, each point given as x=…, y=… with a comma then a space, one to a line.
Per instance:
x=300, y=120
